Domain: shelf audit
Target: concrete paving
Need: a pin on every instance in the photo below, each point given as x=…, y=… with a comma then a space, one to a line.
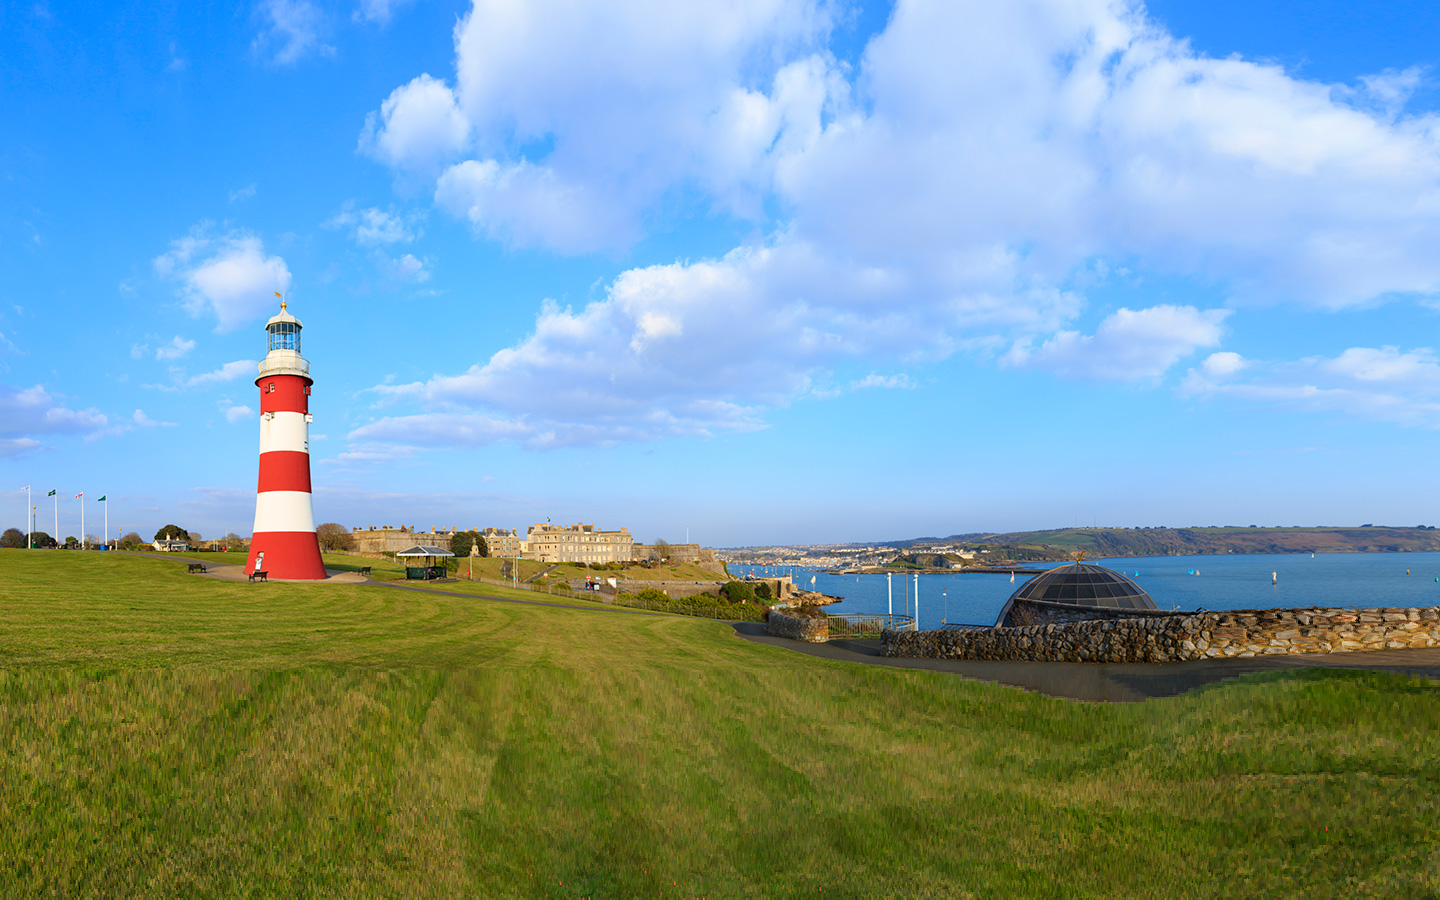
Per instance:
x=1107, y=682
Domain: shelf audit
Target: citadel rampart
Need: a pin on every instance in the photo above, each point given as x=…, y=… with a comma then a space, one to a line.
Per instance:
x=1178, y=637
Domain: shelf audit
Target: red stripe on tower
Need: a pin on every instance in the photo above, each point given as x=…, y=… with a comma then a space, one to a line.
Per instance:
x=284, y=542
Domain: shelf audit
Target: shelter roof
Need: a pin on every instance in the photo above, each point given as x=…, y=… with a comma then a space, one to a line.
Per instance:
x=425, y=550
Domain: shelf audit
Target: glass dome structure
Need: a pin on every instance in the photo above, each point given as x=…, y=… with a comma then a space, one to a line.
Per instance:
x=1083, y=584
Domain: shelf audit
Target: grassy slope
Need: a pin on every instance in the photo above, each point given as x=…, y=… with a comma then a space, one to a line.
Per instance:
x=166, y=734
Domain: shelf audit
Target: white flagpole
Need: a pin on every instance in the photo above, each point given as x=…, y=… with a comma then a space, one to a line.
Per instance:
x=107, y=521
x=57, y=517
x=28, y=511
x=81, y=497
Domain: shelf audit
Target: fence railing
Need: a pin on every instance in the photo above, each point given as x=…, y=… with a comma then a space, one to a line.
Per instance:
x=865, y=625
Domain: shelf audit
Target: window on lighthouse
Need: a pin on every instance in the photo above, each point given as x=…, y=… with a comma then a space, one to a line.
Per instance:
x=284, y=336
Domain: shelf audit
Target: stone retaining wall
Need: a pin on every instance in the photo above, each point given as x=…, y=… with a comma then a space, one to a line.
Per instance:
x=798, y=628
x=1203, y=635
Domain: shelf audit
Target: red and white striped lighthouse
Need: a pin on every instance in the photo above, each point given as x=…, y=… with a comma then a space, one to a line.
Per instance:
x=284, y=516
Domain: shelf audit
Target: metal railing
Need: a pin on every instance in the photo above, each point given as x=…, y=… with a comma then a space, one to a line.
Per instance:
x=963, y=626
x=866, y=625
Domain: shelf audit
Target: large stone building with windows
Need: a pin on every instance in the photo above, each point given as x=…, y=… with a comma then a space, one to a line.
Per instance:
x=577, y=543
x=500, y=542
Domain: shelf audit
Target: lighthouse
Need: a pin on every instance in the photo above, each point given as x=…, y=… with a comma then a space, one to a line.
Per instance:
x=284, y=539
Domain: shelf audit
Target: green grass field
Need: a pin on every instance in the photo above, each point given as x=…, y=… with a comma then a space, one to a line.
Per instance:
x=171, y=735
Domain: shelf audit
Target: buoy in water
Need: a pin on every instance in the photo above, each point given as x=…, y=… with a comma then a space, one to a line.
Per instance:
x=1274, y=577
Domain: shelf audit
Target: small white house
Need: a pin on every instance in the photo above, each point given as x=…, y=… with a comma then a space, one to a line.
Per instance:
x=172, y=545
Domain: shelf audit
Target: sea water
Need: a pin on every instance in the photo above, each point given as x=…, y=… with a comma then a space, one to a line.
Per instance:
x=1217, y=583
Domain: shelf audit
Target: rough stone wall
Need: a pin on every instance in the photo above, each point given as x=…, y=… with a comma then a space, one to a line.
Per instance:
x=1204, y=635
x=798, y=628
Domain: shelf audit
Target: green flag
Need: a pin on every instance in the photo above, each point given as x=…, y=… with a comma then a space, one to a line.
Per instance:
x=102, y=499
x=52, y=493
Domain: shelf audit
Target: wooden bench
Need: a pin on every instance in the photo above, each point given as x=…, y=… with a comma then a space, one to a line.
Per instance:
x=197, y=567
x=364, y=570
x=263, y=576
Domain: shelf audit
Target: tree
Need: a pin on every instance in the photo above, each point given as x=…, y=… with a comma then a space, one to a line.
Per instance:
x=194, y=537
x=41, y=539
x=131, y=539
x=13, y=537
x=234, y=540
x=462, y=541
x=762, y=590
x=172, y=533
x=334, y=537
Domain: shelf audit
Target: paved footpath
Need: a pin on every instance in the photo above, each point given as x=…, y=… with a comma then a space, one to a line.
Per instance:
x=1108, y=682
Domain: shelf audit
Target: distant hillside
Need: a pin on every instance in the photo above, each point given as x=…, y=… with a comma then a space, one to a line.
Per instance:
x=1101, y=542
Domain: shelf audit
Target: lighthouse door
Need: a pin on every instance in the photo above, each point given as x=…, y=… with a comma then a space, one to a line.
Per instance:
x=260, y=561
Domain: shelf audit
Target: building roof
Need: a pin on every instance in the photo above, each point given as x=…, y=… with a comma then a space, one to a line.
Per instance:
x=283, y=316
x=425, y=550
x=1084, y=584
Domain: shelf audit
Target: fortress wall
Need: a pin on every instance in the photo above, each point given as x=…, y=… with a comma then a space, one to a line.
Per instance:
x=1204, y=635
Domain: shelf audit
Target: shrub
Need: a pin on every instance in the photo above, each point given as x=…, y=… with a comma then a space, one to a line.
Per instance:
x=762, y=590
x=737, y=591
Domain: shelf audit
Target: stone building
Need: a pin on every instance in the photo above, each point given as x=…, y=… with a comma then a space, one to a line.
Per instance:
x=502, y=543
x=577, y=543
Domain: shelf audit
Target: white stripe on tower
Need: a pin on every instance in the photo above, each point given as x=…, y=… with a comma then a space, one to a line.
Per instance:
x=284, y=431
x=284, y=511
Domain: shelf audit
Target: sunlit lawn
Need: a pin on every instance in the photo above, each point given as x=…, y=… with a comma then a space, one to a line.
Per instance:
x=167, y=734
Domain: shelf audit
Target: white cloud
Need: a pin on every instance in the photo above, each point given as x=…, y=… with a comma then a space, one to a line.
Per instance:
x=419, y=127
x=884, y=382
x=378, y=11
x=408, y=268
x=30, y=413
x=145, y=421
x=230, y=275
x=244, y=193
x=292, y=31
x=1128, y=344
x=374, y=227
x=178, y=348
x=228, y=372
x=943, y=197
x=1384, y=383
x=238, y=413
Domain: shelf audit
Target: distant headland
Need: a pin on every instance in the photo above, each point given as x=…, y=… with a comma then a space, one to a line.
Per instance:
x=987, y=549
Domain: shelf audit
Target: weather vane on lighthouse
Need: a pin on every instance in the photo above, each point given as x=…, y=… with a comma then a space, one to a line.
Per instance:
x=284, y=542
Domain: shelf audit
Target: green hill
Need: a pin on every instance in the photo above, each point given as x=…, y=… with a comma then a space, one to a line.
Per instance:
x=1102, y=542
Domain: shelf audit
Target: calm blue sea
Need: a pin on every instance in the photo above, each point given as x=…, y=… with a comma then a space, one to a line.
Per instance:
x=1219, y=582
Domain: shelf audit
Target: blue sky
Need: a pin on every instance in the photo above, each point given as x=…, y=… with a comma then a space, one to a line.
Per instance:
x=772, y=270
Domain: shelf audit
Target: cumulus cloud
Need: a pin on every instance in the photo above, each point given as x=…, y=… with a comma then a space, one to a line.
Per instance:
x=29, y=414
x=942, y=197
x=1127, y=345
x=1382, y=383
x=291, y=32
x=419, y=127
x=237, y=413
x=230, y=276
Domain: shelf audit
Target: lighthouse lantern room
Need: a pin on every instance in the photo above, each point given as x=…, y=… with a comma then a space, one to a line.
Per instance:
x=284, y=542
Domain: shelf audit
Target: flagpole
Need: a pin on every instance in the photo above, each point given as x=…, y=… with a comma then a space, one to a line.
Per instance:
x=56, y=495
x=28, y=512
x=81, y=497
x=107, y=519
